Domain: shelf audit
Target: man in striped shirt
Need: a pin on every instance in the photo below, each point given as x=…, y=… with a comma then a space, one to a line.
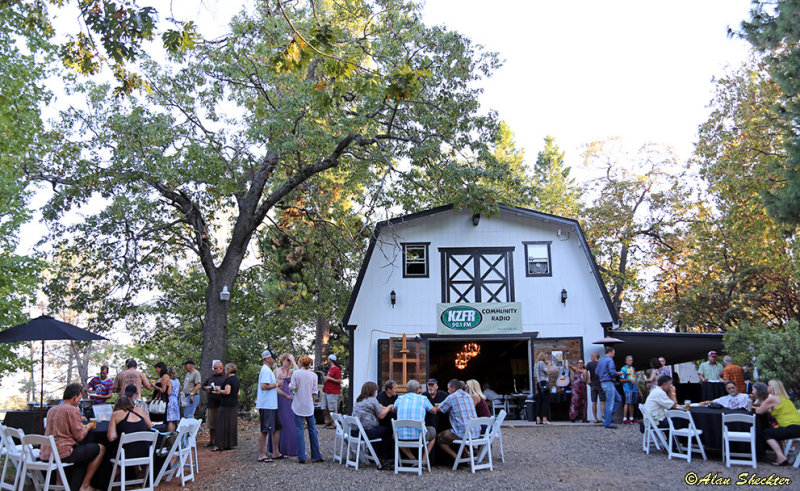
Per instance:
x=413, y=405
x=102, y=387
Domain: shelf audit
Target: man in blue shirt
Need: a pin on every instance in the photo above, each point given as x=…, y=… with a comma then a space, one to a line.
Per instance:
x=607, y=373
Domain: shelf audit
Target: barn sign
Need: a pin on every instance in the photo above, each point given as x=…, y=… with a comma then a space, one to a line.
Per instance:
x=479, y=318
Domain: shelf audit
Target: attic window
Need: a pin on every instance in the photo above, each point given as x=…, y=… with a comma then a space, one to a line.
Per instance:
x=537, y=256
x=415, y=260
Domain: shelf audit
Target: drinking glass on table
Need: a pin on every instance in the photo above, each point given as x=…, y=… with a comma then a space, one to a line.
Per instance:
x=687, y=404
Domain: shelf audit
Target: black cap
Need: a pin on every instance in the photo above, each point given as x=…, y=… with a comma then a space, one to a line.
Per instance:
x=189, y=362
x=433, y=381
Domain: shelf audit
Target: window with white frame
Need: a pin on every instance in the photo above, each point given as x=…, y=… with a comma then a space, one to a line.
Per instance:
x=537, y=257
x=415, y=260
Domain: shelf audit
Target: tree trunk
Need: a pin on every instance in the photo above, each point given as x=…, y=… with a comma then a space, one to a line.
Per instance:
x=323, y=333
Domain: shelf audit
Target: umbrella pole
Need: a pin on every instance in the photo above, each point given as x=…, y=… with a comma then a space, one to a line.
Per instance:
x=41, y=395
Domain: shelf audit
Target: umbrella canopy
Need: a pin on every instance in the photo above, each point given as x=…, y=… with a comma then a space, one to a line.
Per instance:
x=44, y=328
x=608, y=340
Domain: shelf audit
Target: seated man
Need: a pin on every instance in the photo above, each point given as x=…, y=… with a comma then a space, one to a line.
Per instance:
x=65, y=424
x=734, y=400
x=434, y=395
x=461, y=409
x=492, y=395
x=659, y=400
x=413, y=405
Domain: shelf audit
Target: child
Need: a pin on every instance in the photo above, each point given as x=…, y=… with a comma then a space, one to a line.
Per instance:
x=631, y=389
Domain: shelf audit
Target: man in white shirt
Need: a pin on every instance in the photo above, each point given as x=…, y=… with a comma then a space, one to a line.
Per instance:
x=734, y=400
x=660, y=400
x=267, y=404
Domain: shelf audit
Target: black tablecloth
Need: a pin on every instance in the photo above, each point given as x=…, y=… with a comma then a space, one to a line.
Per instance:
x=710, y=421
x=711, y=390
x=100, y=435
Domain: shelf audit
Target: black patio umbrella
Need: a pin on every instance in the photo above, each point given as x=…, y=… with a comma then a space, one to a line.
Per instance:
x=45, y=328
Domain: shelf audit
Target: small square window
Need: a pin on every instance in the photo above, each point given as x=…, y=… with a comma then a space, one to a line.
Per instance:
x=537, y=259
x=415, y=260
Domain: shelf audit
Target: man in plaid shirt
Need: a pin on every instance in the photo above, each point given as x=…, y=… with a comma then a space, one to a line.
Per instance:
x=413, y=405
x=461, y=409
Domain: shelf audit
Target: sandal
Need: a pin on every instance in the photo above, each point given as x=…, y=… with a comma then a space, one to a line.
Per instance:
x=780, y=464
x=278, y=457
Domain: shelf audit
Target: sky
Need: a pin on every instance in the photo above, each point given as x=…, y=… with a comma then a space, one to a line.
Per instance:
x=576, y=70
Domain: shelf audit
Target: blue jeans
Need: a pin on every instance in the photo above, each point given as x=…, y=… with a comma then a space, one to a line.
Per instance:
x=312, y=438
x=613, y=401
x=191, y=407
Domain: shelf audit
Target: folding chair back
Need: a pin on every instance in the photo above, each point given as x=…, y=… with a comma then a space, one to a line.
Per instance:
x=729, y=436
x=123, y=461
x=419, y=444
x=12, y=451
x=652, y=433
x=38, y=467
x=339, y=438
x=478, y=446
x=355, y=442
x=171, y=453
x=494, y=433
x=689, y=433
x=192, y=439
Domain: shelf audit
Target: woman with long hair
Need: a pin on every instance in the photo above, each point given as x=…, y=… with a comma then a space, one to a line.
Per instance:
x=474, y=390
x=127, y=418
x=227, y=419
x=578, y=403
x=162, y=388
x=283, y=376
x=784, y=413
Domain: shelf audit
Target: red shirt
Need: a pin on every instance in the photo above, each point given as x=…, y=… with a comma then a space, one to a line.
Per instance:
x=332, y=387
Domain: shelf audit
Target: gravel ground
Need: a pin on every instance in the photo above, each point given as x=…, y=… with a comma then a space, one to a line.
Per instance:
x=549, y=457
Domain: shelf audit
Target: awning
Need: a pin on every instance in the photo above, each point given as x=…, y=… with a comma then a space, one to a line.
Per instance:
x=676, y=347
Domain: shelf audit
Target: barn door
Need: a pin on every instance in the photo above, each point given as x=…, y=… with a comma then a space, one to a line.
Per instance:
x=401, y=359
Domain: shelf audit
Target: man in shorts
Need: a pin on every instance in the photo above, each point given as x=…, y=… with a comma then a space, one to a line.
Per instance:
x=594, y=384
x=65, y=425
x=460, y=407
x=331, y=390
x=267, y=404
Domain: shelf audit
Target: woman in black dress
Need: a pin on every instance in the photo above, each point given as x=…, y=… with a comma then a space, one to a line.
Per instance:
x=227, y=426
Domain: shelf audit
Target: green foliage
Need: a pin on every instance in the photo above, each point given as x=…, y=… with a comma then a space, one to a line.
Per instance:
x=773, y=31
x=557, y=193
x=776, y=350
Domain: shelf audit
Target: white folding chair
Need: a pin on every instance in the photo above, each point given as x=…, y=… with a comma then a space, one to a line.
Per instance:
x=12, y=451
x=497, y=406
x=494, y=433
x=653, y=435
x=787, y=448
x=511, y=404
x=478, y=446
x=37, y=467
x=355, y=442
x=339, y=438
x=729, y=436
x=122, y=461
x=176, y=457
x=196, y=423
x=419, y=444
x=689, y=432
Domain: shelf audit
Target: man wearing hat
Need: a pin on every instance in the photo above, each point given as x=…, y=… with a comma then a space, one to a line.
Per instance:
x=191, y=387
x=434, y=395
x=331, y=390
x=710, y=371
x=267, y=405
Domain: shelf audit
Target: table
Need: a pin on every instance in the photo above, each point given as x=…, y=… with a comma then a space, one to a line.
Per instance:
x=710, y=421
x=100, y=435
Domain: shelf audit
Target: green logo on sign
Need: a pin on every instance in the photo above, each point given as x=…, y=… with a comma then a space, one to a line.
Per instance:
x=461, y=318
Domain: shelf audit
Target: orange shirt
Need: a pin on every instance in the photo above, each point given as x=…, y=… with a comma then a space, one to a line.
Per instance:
x=64, y=422
x=734, y=373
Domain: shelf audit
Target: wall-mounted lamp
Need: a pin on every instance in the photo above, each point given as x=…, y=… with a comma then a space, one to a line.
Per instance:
x=564, y=296
x=476, y=218
x=393, y=298
x=225, y=294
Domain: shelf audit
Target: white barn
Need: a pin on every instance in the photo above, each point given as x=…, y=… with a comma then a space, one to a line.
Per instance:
x=515, y=284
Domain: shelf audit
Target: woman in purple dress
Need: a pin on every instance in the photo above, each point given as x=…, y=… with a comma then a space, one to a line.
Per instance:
x=283, y=375
x=577, y=406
